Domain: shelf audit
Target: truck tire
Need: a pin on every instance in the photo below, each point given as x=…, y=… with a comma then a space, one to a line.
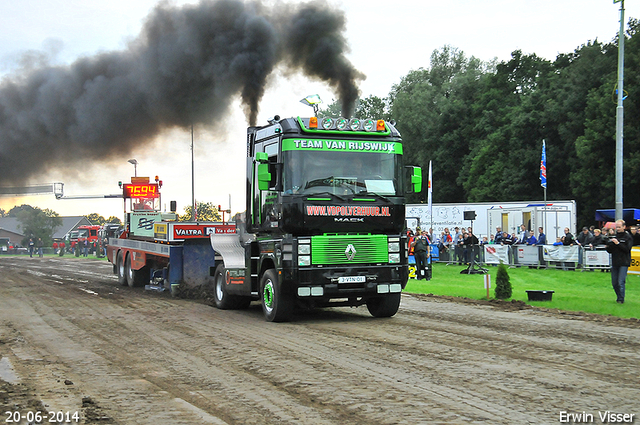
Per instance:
x=120, y=267
x=386, y=306
x=276, y=305
x=224, y=300
x=136, y=277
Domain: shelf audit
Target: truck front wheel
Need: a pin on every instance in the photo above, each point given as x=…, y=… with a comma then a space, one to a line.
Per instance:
x=386, y=306
x=276, y=305
x=223, y=299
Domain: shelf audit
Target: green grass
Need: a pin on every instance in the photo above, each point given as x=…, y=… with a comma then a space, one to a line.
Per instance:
x=588, y=291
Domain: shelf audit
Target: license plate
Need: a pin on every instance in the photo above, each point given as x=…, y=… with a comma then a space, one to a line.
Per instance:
x=352, y=279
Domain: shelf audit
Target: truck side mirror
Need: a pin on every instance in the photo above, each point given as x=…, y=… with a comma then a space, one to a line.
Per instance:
x=264, y=176
x=415, y=179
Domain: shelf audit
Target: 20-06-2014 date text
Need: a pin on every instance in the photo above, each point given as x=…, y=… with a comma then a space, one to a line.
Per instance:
x=60, y=417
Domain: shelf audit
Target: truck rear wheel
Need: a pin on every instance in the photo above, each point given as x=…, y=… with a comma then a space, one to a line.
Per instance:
x=386, y=306
x=276, y=305
x=136, y=277
x=120, y=267
x=222, y=298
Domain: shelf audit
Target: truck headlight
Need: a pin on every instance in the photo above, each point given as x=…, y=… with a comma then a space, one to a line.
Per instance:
x=394, y=258
x=304, y=249
x=304, y=260
x=394, y=246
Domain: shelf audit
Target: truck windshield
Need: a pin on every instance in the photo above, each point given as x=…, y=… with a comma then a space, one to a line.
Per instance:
x=341, y=173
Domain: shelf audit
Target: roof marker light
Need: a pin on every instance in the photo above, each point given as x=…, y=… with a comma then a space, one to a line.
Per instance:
x=380, y=126
x=313, y=122
x=369, y=125
x=327, y=123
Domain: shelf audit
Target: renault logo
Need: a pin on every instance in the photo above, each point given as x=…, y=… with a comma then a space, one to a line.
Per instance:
x=350, y=252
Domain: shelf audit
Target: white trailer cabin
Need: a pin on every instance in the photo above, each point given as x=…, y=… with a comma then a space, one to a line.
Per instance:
x=553, y=217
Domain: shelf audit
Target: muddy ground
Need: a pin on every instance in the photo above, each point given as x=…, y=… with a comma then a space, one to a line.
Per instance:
x=73, y=340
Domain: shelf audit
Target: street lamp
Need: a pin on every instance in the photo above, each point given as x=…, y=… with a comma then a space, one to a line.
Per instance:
x=135, y=166
x=620, y=115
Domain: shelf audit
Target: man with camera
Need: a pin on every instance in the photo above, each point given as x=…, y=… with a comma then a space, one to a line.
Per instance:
x=420, y=248
x=619, y=246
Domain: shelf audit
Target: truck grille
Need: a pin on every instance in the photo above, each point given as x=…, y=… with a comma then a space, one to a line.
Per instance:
x=349, y=249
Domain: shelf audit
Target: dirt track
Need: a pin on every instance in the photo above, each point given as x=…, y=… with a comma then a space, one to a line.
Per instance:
x=73, y=340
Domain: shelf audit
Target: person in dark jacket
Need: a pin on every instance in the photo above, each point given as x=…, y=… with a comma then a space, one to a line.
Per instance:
x=420, y=249
x=619, y=246
x=598, y=239
x=470, y=240
x=585, y=238
x=567, y=239
x=542, y=238
x=507, y=239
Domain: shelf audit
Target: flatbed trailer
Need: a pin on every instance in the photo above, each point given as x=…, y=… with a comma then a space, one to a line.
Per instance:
x=138, y=262
x=157, y=249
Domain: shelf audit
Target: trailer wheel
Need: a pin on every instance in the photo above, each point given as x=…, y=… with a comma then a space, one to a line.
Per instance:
x=120, y=266
x=386, y=306
x=223, y=299
x=136, y=277
x=277, y=306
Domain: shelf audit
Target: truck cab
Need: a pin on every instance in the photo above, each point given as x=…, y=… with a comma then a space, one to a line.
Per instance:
x=325, y=207
x=88, y=233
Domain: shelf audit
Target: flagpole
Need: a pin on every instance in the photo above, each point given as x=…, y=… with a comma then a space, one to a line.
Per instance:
x=430, y=200
x=543, y=183
x=544, y=214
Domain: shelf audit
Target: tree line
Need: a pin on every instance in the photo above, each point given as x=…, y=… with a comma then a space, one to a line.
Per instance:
x=482, y=124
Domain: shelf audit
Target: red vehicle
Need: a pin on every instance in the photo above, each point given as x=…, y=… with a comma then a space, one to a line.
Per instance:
x=90, y=234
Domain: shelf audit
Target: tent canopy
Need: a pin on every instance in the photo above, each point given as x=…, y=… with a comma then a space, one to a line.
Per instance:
x=628, y=215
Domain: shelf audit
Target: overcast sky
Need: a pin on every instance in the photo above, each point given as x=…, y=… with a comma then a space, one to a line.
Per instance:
x=387, y=40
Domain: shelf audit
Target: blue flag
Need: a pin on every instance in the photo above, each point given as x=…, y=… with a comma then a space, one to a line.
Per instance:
x=543, y=167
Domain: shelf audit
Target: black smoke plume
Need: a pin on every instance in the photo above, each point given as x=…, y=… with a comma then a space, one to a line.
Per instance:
x=314, y=42
x=185, y=68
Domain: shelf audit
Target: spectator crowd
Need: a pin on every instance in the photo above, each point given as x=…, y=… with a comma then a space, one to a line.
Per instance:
x=459, y=240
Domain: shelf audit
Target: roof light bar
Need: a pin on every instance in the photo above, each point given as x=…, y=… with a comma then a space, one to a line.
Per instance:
x=345, y=124
x=342, y=123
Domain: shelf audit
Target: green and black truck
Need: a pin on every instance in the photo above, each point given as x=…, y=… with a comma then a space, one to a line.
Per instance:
x=324, y=221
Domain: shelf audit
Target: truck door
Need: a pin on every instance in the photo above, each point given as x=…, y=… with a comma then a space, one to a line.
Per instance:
x=265, y=202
